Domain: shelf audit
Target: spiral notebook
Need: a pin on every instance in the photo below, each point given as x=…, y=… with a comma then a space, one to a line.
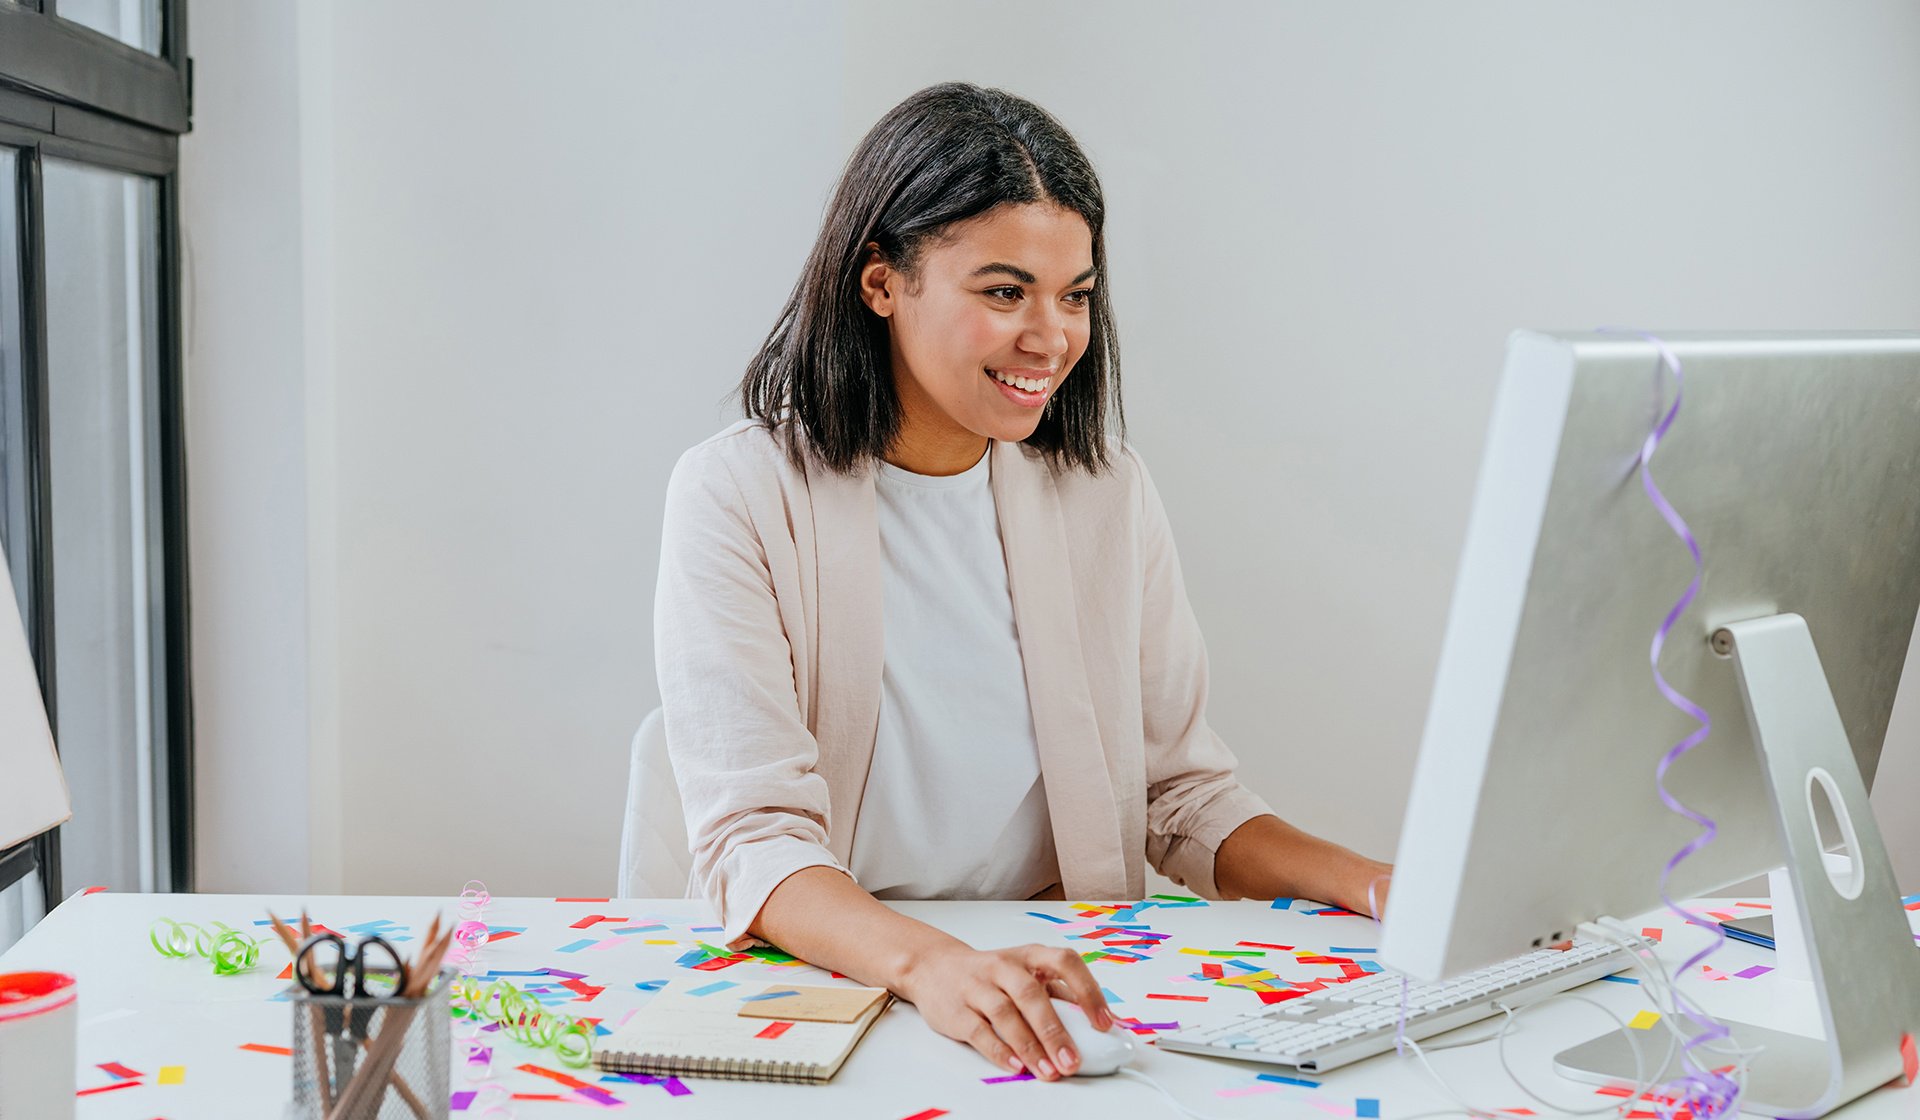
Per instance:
x=781, y=1032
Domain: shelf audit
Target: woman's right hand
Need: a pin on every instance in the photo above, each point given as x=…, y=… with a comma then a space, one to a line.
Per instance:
x=998, y=1001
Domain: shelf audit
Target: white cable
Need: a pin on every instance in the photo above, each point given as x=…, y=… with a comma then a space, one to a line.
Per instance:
x=1171, y=1099
x=1641, y=1082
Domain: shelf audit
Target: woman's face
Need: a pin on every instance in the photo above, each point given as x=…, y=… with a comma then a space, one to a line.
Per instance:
x=1002, y=297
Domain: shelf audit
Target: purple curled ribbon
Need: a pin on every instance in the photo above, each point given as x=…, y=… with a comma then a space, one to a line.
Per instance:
x=1707, y=1093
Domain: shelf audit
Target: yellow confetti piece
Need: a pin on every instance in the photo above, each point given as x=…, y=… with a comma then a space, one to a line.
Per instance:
x=172, y=1075
x=659, y=941
x=1644, y=1020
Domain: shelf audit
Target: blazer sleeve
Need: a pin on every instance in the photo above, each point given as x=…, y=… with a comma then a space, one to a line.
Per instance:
x=1193, y=799
x=743, y=758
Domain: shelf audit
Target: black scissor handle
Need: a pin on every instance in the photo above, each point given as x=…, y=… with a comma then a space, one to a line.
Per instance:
x=349, y=961
x=306, y=964
x=389, y=970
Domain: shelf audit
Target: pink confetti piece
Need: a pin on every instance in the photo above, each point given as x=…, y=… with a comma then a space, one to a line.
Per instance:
x=1251, y=1090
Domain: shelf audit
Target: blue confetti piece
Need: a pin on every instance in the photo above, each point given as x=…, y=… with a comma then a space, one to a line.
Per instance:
x=1282, y=904
x=1366, y=1108
x=769, y=995
x=578, y=945
x=1284, y=1080
x=497, y=973
x=691, y=958
x=1370, y=966
x=1338, y=949
x=1107, y=993
x=1907, y=901
x=1048, y=917
x=1621, y=979
x=640, y=929
x=710, y=989
x=651, y=985
x=706, y=929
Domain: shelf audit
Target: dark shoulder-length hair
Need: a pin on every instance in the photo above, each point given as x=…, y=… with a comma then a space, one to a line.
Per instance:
x=822, y=380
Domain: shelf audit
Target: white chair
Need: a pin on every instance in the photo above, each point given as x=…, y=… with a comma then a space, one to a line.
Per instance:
x=654, y=859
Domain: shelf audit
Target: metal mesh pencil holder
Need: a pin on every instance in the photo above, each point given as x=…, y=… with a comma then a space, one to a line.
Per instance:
x=348, y=1064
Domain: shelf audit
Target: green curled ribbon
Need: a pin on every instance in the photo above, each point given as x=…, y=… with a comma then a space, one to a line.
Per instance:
x=203, y=939
x=525, y=1020
x=234, y=952
x=231, y=951
x=176, y=942
x=574, y=1047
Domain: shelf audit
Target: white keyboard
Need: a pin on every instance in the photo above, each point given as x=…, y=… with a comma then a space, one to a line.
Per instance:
x=1346, y=1022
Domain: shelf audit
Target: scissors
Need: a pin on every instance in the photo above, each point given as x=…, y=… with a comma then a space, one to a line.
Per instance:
x=361, y=976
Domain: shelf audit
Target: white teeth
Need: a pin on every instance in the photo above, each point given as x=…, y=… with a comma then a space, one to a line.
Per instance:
x=1030, y=384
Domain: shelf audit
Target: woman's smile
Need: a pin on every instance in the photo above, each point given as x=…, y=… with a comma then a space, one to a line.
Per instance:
x=1028, y=388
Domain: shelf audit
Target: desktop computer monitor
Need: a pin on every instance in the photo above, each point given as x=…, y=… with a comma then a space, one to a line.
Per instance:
x=1795, y=461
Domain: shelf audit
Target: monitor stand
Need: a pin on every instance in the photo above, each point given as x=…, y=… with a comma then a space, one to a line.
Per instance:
x=1865, y=970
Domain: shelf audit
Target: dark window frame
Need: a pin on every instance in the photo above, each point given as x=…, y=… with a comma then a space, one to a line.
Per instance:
x=70, y=92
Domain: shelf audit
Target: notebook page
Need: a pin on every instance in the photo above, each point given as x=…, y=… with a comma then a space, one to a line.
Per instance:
x=677, y=1025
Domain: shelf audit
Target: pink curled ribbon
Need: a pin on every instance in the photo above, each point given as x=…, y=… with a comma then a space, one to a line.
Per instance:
x=1706, y=1092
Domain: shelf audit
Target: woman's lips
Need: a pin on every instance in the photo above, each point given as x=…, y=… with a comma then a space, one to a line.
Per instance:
x=1022, y=397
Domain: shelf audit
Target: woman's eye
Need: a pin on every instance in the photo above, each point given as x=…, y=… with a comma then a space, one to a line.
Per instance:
x=1081, y=297
x=1004, y=293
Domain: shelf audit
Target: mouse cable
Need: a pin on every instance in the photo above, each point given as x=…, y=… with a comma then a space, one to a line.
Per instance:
x=1165, y=1092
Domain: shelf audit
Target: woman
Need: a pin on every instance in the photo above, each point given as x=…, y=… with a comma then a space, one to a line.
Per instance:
x=920, y=625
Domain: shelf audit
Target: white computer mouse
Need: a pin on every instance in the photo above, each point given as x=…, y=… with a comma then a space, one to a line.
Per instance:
x=1101, y=1052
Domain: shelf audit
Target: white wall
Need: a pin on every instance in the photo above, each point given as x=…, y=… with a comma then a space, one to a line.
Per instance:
x=538, y=248
x=246, y=295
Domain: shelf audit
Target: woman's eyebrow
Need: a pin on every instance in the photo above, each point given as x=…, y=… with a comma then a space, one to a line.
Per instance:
x=1021, y=274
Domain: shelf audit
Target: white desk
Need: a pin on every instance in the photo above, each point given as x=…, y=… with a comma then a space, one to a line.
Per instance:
x=145, y=1011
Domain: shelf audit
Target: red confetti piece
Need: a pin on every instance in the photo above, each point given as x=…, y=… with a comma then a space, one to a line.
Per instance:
x=583, y=900
x=1212, y=971
x=120, y=1071
x=1264, y=945
x=1189, y=999
x=263, y=1048
x=1277, y=997
x=107, y=1088
x=929, y=1114
x=93, y=890
x=582, y=988
x=774, y=1030
x=1651, y=933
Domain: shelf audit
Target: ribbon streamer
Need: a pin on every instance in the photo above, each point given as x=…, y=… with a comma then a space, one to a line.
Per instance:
x=1707, y=1093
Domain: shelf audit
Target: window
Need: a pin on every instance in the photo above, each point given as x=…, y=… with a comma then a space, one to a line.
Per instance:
x=93, y=98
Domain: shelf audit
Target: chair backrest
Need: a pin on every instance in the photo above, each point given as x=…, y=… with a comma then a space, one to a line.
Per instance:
x=654, y=859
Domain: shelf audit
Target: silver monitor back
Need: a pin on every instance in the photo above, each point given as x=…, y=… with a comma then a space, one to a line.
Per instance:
x=1795, y=459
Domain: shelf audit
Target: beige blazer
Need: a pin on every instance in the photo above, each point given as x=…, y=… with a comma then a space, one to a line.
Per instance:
x=767, y=634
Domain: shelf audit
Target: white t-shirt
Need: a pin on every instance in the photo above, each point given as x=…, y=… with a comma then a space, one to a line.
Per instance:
x=954, y=805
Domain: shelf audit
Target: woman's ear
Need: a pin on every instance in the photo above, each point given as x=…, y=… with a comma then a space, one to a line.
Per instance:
x=878, y=282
